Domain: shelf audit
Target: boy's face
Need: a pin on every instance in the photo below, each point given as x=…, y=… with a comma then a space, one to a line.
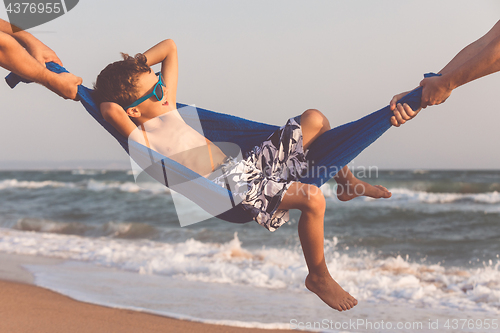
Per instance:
x=151, y=107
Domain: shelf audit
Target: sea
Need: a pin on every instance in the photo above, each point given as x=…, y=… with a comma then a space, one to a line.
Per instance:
x=425, y=260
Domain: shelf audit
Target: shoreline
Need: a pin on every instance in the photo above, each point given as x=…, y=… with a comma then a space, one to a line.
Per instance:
x=26, y=307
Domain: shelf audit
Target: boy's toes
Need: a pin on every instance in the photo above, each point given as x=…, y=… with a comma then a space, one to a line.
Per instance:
x=352, y=301
x=384, y=192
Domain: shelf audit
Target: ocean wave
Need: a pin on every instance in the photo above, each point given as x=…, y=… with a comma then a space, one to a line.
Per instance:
x=89, y=172
x=328, y=189
x=127, y=230
x=90, y=185
x=14, y=183
x=364, y=275
x=403, y=194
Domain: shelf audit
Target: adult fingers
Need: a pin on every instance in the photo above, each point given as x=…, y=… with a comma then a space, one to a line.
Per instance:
x=394, y=122
x=424, y=103
x=409, y=111
x=412, y=113
x=53, y=58
x=403, y=111
x=397, y=114
x=58, y=61
x=393, y=102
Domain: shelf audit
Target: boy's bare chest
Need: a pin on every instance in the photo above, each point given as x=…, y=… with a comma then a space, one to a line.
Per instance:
x=174, y=137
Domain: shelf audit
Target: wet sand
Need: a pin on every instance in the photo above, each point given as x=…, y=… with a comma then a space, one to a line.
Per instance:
x=25, y=307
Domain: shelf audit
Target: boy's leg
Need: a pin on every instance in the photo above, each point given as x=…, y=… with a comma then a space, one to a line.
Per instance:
x=350, y=187
x=313, y=124
x=310, y=200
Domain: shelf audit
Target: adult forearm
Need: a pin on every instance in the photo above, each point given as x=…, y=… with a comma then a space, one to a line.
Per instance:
x=464, y=55
x=5, y=27
x=22, y=37
x=474, y=61
x=16, y=59
x=473, y=49
x=485, y=62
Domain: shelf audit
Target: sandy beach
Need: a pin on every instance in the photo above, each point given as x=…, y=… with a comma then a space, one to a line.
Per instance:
x=25, y=307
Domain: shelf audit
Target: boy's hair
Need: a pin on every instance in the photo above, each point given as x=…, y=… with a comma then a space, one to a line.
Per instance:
x=117, y=82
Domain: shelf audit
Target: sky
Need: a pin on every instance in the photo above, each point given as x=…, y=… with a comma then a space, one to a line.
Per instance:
x=269, y=61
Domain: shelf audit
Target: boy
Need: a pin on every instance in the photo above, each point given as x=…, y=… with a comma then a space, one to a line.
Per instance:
x=131, y=95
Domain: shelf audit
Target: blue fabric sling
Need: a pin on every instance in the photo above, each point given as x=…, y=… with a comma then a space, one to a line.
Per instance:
x=331, y=151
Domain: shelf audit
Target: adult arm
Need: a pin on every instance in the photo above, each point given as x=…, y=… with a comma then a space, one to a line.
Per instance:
x=36, y=48
x=14, y=57
x=476, y=60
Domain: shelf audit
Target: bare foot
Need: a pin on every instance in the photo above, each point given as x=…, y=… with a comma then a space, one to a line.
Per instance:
x=355, y=188
x=330, y=292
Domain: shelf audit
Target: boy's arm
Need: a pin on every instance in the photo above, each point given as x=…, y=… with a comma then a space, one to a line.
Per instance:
x=165, y=53
x=116, y=116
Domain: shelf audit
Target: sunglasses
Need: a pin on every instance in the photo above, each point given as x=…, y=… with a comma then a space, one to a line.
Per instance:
x=157, y=92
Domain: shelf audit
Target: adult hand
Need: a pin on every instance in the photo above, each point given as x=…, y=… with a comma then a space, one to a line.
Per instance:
x=42, y=53
x=435, y=90
x=64, y=84
x=402, y=112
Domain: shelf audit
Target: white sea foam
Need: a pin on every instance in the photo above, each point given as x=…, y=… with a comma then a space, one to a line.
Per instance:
x=14, y=183
x=129, y=187
x=364, y=275
x=109, y=229
x=90, y=185
x=91, y=172
x=403, y=194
